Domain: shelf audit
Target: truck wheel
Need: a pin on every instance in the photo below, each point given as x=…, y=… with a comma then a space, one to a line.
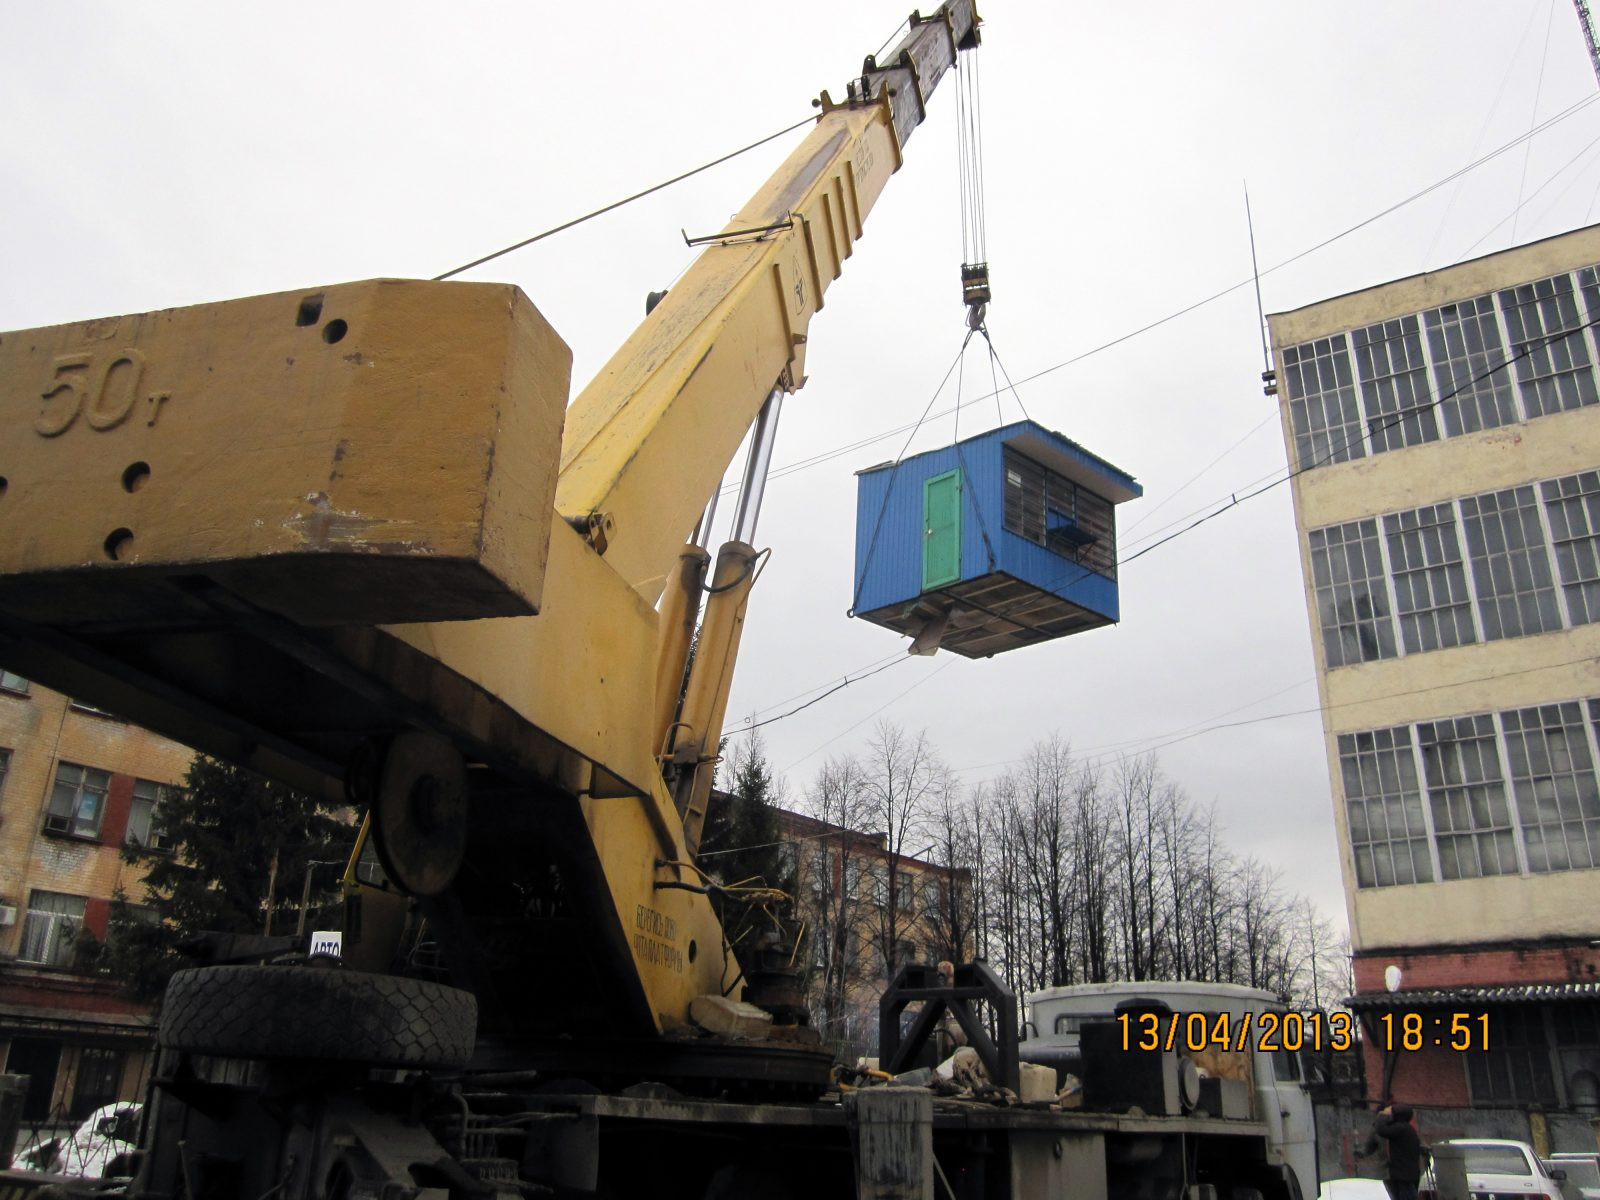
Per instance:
x=318, y=1013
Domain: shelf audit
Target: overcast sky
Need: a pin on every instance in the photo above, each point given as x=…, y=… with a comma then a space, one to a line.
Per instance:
x=158, y=155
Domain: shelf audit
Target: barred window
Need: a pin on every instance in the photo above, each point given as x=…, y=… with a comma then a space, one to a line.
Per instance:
x=1510, y=563
x=1352, y=600
x=1553, y=778
x=1573, y=504
x=1516, y=1067
x=1388, y=833
x=1468, y=356
x=1555, y=373
x=1322, y=402
x=78, y=801
x=50, y=930
x=1054, y=512
x=1394, y=384
x=1467, y=796
x=1430, y=579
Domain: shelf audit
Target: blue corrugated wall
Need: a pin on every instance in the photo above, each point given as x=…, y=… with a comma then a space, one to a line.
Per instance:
x=889, y=569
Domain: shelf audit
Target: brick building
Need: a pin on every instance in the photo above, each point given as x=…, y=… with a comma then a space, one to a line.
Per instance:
x=76, y=785
x=854, y=940
x=1444, y=431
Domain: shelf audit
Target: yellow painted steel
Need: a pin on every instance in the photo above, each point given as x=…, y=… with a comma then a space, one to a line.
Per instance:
x=680, y=610
x=648, y=439
x=705, y=701
x=383, y=464
x=375, y=451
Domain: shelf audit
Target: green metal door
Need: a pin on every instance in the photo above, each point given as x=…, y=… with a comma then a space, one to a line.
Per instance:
x=941, y=530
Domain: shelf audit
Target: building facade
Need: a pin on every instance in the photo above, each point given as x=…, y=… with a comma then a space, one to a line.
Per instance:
x=77, y=785
x=1444, y=436
x=859, y=928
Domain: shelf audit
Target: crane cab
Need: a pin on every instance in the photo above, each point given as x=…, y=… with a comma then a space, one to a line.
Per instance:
x=1001, y=540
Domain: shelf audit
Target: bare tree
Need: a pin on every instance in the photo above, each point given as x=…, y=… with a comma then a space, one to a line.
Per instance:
x=903, y=780
x=832, y=897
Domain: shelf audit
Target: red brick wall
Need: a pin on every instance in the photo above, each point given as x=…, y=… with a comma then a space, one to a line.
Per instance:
x=119, y=800
x=1431, y=1076
x=1575, y=962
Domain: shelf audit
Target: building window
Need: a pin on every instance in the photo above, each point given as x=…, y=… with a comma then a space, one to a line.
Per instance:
x=1573, y=505
x=1394, y=384
x=1555, y=373
x=1054, y=512
x=1510, y=563
x=1467, y=796
x=99, y=1080
x=1516, y=1068
x=905, y=891
x=1430, y=579
x=144, y=823
x=5, y=765
x=1553, y=779
x=13, y=683
x=1388, y=832
x=1352, y=599
x=78, y=801
x=1322, y=403
x=1468, y=357
x=51, y=927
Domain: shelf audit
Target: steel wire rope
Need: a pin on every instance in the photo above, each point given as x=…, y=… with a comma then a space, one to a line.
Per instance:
x=1523, y=351
x=1494, y=107
x=829, y=682
x=614, y=205
x=828, y=455
x=1235, y=500
x=872, y=543
x=844, y=683
x=1521, y=204
x=1538, y=95
x=1108, y=751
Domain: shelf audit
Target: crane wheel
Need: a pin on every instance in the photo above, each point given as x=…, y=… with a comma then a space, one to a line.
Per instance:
x=319, y=1013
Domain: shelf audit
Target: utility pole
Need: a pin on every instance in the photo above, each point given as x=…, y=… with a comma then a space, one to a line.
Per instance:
x=1587, y=21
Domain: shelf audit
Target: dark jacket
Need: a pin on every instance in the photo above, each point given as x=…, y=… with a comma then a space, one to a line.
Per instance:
x=1405, y=1145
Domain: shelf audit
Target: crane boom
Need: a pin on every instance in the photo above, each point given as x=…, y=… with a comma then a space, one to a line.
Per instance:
x=343, y=526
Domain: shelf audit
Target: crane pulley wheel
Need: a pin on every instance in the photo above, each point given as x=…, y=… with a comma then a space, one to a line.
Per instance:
x=419, y=815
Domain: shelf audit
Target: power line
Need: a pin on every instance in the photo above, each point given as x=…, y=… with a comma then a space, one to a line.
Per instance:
x=861, y=443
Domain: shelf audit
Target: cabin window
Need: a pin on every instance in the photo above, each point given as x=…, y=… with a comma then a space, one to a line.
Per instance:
x=1052, y=511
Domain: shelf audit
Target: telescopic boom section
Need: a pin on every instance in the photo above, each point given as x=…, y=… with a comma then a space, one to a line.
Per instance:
x=648, y=440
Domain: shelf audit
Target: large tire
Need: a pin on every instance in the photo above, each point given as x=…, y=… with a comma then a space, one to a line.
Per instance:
x=318, y=1013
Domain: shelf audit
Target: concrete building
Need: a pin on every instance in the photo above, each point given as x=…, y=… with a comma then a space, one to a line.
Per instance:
x=76, y=786
x=1444, y=431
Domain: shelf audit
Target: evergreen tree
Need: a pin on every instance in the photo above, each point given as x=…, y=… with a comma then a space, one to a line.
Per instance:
x=740, y=842
x=240, y=846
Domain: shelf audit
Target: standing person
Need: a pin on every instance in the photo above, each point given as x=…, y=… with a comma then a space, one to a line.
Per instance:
x=1406, y=1153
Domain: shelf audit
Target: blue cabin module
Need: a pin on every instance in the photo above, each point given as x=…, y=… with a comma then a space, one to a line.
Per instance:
x=1002, y=540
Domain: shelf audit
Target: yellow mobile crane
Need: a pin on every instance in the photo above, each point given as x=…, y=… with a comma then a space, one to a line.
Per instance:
x=355, y=538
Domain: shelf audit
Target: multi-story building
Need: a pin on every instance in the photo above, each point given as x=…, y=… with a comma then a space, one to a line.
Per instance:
x=1444, y=434
x=859, y=929
x=76, y=786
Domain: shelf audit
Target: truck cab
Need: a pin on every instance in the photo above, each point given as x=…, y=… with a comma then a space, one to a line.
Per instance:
x=1251, y=1077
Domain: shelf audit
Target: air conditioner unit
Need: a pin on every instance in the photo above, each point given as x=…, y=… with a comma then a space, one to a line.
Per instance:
x=8, y=914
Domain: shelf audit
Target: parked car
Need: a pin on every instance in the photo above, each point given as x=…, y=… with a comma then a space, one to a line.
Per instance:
x=1353, y=1188
x=1498, y=1169
x=101, y=1147
x=1582, y=1171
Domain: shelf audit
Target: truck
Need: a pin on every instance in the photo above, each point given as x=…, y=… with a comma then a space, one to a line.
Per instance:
x=355, y=538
